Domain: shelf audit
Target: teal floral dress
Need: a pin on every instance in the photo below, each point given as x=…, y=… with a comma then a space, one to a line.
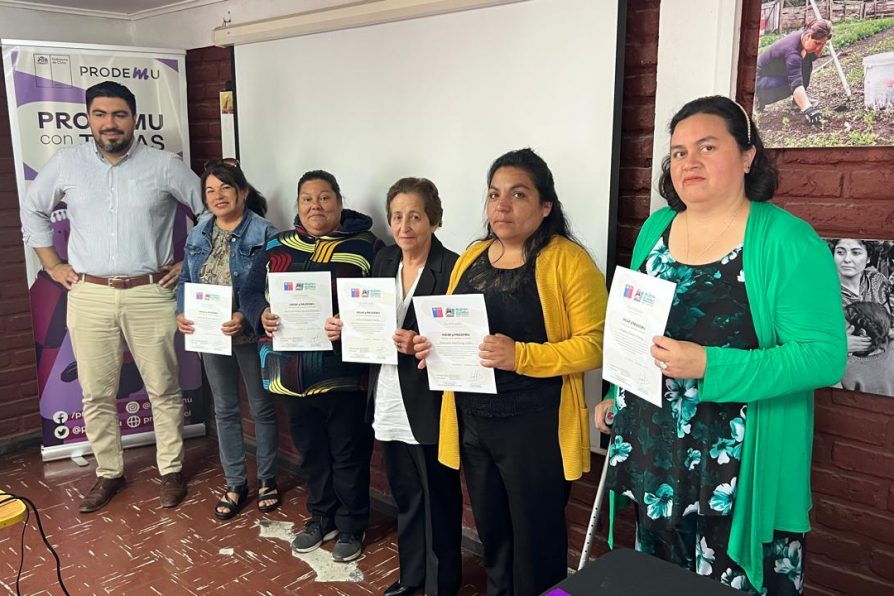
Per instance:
x=680, y=463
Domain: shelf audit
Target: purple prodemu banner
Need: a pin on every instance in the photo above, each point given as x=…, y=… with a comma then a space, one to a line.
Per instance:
x=45, y=88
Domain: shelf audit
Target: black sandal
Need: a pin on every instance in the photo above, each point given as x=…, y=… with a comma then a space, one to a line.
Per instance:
x=267, y=491
x=230, y=507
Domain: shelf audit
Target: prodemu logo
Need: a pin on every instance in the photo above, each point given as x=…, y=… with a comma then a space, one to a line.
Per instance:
x=440, y=312
x=365, y=293
x=636, y=295
x=289, y=286
x=119, y=72
x=208, y=296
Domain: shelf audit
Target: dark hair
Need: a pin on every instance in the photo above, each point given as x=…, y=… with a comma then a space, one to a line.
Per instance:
x=870, y=319
x=111, y=89
x=833, y=244
x=230, y=173
x=554, y=223
x=320, y=175
x=426, y=190
x=819, y=29
x=760, y=181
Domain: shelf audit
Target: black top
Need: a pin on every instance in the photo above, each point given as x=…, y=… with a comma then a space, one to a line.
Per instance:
x=423, y=406
x=513, y=309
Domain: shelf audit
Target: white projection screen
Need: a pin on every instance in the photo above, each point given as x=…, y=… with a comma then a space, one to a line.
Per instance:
x=442, y=97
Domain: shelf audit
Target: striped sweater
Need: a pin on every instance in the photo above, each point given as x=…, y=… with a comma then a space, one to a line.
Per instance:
x=346, y=252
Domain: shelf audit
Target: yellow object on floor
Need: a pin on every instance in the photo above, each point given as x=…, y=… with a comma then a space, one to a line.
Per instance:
x=11, y=511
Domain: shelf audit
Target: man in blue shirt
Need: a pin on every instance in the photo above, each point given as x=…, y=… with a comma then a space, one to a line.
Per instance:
x=122, y=199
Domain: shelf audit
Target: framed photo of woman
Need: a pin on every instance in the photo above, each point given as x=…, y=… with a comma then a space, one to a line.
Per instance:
x=866, y=272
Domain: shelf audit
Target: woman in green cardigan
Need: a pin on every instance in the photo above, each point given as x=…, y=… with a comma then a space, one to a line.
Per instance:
x=720, y=475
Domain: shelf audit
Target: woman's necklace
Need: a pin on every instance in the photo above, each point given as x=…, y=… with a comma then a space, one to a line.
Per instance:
x=689, y=257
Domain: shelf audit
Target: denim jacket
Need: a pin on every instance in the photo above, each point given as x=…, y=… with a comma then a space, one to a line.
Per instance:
x=249, y=237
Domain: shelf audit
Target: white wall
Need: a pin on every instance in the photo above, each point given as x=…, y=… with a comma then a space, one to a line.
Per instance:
x=374, y=110
x=698, y=54
x=20, y=23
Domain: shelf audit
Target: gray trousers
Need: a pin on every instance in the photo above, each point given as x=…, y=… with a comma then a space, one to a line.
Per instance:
x=223, y=376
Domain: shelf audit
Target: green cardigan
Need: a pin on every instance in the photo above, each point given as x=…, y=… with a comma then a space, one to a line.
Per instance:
x=794, y=295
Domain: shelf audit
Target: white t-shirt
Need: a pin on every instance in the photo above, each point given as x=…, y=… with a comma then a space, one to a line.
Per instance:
x=390, y=421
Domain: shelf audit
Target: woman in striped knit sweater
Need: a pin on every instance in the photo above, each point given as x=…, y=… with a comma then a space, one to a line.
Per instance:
x=324, y=398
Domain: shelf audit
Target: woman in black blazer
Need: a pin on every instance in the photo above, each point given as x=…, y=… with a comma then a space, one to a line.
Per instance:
x=403, y=411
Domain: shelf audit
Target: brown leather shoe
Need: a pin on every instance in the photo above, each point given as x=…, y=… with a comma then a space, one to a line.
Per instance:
x=101, y=493
x=173, y=489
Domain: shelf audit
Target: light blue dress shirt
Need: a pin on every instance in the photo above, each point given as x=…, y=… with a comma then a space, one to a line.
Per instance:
x=121, y=215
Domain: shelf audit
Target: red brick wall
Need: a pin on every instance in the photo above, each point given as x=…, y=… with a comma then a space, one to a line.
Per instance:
x=842, y=192
x=637, y=122
x=19, y=416
x=207, y=71
x=637, y=127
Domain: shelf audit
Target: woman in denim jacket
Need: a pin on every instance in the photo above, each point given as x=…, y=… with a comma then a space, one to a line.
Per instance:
x=219, y=250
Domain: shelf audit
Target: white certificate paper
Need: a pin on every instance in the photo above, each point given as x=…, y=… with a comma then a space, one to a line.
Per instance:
x=208, y=307
x=368, y=308
x=303, y=302
x=456, y=326
x=638, y=307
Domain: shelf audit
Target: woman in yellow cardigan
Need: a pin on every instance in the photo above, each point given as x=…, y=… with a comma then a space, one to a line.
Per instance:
x=546, y=308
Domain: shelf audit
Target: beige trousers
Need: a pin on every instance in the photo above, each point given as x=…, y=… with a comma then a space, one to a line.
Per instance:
x=100, y=320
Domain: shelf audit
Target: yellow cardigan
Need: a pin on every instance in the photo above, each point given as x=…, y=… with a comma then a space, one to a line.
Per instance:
x=573, y=296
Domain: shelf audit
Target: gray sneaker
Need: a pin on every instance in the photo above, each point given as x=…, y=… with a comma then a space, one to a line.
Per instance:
x=312, y=536
x=348, y=547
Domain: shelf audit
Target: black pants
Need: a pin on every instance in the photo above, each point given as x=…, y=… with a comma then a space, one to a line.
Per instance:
x=429, y=520
x=335, y=444
x=516, y=483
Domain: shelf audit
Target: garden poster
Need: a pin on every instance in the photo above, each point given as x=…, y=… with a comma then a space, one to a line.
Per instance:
x=825, y=73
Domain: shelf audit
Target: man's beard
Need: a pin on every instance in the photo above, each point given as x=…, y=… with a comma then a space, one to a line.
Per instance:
x=114, y=147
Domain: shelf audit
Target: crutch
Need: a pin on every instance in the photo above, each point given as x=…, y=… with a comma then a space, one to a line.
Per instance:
x=597, y=504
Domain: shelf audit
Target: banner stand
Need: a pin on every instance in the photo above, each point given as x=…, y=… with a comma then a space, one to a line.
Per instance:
x=46, y=84
x=77, y=451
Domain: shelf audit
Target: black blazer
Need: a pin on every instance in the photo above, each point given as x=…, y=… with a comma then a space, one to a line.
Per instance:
x=423, y=406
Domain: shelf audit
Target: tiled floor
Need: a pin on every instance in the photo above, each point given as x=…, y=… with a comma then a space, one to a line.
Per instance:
x=134, y=546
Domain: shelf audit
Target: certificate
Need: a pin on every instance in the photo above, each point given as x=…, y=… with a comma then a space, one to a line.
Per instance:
x=456, y=326
x=208, y=307
x=638, y=307
x=303, y=302
x=368, y=309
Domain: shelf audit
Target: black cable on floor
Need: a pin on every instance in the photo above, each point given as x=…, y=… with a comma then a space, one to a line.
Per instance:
x=8, y=498
x=22, y=549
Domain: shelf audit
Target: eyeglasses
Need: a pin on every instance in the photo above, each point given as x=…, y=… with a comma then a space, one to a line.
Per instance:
x=231, y=162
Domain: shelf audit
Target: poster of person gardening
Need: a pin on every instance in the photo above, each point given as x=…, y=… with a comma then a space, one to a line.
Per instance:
x=825, y=73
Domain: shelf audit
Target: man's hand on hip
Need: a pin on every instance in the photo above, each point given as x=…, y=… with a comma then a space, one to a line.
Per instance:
x=172, y=274
x=64, y=274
